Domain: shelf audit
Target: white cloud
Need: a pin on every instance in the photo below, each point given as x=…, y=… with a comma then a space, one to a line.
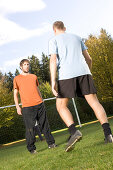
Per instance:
x=10, y=31
x=13, y=6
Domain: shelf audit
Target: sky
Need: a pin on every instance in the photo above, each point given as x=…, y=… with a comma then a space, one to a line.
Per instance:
x=26, y=25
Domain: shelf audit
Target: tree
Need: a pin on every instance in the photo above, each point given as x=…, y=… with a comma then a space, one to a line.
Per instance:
x=35, y=66
x=45, y=68
x=45, y=89
x=101, y=50
x=17, y=72
x=8, y=81
x=1, y=75
x=6, y=98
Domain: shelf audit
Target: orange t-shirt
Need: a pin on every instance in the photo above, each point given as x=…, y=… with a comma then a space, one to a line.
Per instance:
x=27, y=87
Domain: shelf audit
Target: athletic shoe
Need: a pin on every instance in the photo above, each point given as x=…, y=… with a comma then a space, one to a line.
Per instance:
x=52, y=146
x=33, y=152
x=73, y=139
x=109, y=139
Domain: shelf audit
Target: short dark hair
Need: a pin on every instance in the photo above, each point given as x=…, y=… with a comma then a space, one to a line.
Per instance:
x=59, y=25
x=22, y=62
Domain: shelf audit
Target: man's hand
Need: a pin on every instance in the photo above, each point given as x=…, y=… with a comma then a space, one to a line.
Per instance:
x=19, y=111
x=54, y=90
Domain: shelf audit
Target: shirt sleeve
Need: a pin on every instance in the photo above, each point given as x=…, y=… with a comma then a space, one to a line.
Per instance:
x=15, y=85
x=83, y=46
x=37, y=83
x=53, y=47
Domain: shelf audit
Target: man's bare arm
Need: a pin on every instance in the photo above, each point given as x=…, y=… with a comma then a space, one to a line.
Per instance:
x=16, y=102
x=53, y=68
x=87, y=58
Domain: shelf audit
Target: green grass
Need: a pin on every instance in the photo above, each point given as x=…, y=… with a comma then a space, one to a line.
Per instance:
x=90, y=153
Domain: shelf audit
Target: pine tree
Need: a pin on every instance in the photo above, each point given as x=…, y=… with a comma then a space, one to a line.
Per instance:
x=17, y=72
x=45, y=68
x=35, y=66
x=8, y=81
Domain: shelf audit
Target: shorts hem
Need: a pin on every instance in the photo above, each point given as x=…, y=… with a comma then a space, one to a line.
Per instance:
x=81, y=95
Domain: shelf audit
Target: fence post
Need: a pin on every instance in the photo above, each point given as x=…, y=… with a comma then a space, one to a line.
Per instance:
x=76, y=112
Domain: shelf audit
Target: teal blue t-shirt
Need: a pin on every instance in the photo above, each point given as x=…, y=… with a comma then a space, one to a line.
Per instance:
x=71, y=62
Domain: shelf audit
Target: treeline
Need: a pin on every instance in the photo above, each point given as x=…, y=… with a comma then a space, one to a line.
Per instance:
x=39, y=68
x=100, y=49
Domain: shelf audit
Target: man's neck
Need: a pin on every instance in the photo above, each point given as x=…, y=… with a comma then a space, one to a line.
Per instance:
x=25, y=74
x=60, y=32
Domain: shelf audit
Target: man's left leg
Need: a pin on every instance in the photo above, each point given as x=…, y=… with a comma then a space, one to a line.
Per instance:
x=37, y=132
x=44, y=126
x=101, y=116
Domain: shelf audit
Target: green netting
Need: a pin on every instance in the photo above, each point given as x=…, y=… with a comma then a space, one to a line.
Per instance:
x=12, y=126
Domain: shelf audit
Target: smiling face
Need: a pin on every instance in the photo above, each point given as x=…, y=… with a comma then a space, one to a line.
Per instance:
x=25, y=67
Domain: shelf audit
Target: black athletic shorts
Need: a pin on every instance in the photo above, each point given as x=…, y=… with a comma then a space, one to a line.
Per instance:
x=77, y=86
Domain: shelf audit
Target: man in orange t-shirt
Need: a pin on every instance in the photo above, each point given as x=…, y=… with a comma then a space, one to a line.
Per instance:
x=33, y=108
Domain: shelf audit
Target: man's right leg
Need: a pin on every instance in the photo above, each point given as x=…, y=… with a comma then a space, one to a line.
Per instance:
x=65, y=114
x=30, y=128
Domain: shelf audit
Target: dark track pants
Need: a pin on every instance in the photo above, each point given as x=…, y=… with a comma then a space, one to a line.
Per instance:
x=38, y=132
x=30, y=115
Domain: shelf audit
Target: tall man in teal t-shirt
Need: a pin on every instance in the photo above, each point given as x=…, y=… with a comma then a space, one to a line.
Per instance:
x=74, y=79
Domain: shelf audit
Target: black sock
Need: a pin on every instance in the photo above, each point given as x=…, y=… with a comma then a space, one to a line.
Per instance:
x=72, y=129
x=107, y=129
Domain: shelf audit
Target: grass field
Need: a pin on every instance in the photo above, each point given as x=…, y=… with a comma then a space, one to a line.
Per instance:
x=90, y=153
